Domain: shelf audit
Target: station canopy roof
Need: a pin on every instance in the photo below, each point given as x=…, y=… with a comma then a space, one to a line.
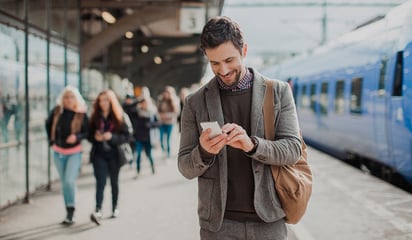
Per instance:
x=152, y=43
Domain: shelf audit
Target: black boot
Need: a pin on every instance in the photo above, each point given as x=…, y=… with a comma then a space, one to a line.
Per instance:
x=69, y=216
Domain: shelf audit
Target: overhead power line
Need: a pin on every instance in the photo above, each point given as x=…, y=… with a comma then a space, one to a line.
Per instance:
x=324, y=5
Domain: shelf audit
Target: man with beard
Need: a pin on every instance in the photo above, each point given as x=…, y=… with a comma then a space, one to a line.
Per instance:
x=237, y=198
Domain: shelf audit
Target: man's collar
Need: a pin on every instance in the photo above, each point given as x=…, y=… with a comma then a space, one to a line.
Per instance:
x=243, y=84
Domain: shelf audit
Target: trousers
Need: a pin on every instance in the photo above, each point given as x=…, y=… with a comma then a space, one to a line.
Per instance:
x=234, y=230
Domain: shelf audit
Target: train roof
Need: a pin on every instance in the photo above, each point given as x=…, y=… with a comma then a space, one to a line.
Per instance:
x=399, y=18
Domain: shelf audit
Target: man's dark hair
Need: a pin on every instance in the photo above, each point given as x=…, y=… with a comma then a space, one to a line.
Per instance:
x=219, y=30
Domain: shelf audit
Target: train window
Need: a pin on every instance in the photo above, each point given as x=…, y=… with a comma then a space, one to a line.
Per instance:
x=324, y=99
x=339, y=98
x=381, y=86
x=356, y=96
x=398, y=78
x=304, y=99
x=313, y=97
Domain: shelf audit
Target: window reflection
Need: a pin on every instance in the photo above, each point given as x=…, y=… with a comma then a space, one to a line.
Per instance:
x=13, y=105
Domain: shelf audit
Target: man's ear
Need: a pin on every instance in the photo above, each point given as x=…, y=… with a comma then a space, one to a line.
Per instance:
x=244, y=50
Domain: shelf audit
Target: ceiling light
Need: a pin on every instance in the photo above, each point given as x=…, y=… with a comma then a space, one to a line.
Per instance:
x=129, y=35
x=108, y=17
x=144, y=48
x=157, y=60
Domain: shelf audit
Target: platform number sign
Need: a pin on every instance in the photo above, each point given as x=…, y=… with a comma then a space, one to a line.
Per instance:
x=192, y=17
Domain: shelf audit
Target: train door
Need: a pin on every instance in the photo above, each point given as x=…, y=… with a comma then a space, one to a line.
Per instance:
x=407, y=81
x=407, y=95
x=400, y=135
x=380, y=119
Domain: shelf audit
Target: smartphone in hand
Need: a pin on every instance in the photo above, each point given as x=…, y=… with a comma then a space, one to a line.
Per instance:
x=212, y=125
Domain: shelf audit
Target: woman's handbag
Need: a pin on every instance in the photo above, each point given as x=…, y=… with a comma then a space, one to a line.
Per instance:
x=125, y=153
x=124, y=150
x=293, y=183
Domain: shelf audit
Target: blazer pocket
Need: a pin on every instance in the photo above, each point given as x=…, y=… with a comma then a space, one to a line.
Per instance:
x=205, y=186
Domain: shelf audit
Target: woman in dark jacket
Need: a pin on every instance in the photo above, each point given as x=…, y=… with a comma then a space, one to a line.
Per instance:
x=66, y=126
x=109, y=127
x=145, y=120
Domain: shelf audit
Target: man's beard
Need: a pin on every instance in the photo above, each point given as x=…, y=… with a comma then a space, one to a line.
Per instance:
x=237, y=79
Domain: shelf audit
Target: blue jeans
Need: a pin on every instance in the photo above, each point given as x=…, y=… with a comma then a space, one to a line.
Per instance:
x=165, y=129
x=147, y=145
x=68, y=167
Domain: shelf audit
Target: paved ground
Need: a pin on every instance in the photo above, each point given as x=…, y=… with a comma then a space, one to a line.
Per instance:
x=151, y=207
x=346, y=204
x=349, y=204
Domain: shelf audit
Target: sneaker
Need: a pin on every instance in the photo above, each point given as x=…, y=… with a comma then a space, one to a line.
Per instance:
x=115, y=213
x=67, y=222
x=96, y=217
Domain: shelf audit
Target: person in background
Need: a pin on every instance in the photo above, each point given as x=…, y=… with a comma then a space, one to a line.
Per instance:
x=182, y=95
x=109, y=126
x=168, y=110
x=66, y=127
x=130, y=108
x=8, y=110
x=130, y=104
x=237, y=197
x=145, y=121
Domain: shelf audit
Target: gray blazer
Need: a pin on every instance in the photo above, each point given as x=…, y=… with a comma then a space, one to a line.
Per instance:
x=205, y=105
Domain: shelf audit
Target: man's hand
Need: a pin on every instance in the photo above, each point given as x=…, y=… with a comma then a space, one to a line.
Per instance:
x=212, y=145
x=237, y=137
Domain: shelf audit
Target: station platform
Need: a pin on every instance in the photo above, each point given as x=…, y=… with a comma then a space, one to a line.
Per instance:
x=346, y=204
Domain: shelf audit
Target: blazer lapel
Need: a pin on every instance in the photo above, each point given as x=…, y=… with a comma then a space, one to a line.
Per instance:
x=214, y=109
x=258, y=95
x=213, y=104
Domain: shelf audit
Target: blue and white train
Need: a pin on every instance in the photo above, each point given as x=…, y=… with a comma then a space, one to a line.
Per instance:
x=354, y=95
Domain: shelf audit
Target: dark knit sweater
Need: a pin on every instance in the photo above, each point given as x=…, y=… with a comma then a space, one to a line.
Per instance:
x=240, y=193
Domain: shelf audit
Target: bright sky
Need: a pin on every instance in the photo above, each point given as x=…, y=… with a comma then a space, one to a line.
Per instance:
x=298, y=28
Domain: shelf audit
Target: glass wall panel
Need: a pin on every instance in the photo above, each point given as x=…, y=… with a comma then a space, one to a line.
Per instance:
x=12, y=161
x=72, y=68
x=38, y=111
x=93, y=83
x=56, y=71
x=12, y=89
